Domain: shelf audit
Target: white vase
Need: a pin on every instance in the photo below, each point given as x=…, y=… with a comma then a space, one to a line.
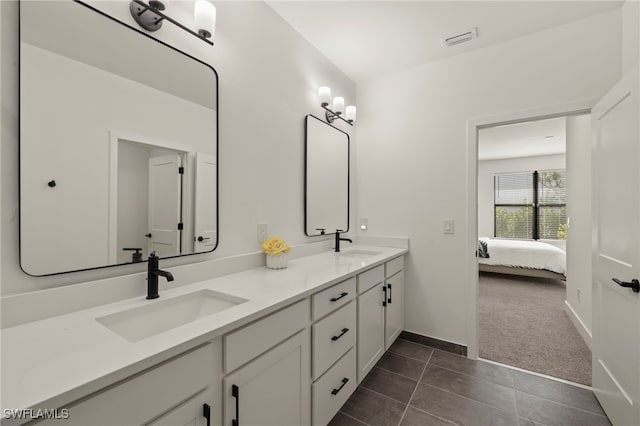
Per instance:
x=277, y=262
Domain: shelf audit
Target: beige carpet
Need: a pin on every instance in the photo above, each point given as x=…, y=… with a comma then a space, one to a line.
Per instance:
x=523, y=323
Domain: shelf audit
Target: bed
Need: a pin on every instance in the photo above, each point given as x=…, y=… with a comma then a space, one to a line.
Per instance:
x=521, y=257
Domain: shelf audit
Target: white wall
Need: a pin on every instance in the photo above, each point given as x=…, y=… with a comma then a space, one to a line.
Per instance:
x=133, y=210
x=489, y=168
x=268, y=77
x=579, y=233
x=630, y=34
x=412, y=147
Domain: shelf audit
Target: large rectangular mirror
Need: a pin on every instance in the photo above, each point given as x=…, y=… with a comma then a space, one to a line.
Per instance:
x=326, y=178
x=118, y=143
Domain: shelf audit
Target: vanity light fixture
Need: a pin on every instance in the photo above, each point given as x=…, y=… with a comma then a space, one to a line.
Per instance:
x=150, y=17
x=337, y=109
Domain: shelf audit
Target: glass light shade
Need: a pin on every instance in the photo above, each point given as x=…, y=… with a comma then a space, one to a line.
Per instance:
x=324, y=93
x=350, y=113
x=338, y=105
x=204, y=14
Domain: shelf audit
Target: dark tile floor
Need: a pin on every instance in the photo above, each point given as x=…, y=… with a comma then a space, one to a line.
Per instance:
x=416, y=385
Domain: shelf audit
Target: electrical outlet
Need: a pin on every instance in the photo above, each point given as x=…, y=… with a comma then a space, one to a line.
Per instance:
x=262, y=232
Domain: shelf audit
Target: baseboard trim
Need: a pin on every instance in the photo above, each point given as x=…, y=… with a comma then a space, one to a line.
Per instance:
x=583, y=331
x=443, y=345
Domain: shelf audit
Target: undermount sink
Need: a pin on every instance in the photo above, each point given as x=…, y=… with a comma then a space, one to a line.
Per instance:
x=359, y=254
x=159, y=316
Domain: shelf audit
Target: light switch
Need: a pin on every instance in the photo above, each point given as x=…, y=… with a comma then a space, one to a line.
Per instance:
x=364, y=224
x=448, y=226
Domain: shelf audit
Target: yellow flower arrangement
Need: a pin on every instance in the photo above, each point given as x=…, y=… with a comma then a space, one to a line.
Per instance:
x=275, y=246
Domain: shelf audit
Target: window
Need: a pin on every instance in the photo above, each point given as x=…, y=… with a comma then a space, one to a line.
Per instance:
x=531, y=205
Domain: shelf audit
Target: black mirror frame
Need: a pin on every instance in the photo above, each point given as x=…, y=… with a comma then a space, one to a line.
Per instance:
x=306, y=166
x=217, y=145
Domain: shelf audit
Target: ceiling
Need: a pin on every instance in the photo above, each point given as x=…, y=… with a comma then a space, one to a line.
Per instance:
x=370, y=38
x=529, y=139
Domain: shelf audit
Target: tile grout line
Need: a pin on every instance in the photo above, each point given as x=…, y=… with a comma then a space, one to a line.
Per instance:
x=467, y=398
x=449, y=421
x=397, y=374
x=381, y=394
x=477, y=377
x=558, y=403
x=353, y=418
x=404, y=413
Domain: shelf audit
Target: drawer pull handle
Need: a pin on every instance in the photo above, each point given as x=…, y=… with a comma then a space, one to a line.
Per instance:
x=206, y=413
x=389, y=299
x=235, y=392
x=335, y=299
x=344, y=330
x=344, y=382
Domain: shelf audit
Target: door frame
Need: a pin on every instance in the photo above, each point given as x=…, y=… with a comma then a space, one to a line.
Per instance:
x=115, y=136
x=473, y=126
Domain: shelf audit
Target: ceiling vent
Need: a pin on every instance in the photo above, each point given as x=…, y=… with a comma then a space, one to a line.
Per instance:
x=459, y=38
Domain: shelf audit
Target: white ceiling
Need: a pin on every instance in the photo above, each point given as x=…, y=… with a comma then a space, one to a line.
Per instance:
x=529, y=139
x=369, y=38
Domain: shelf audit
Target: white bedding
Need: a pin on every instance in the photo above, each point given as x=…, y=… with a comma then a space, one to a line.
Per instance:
x=525, y=254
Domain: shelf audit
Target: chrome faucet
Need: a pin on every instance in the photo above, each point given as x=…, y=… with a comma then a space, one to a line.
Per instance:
x=153, y=271
x=338, y=239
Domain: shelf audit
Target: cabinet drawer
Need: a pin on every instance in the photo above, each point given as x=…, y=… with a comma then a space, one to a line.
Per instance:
x=332, y=337
x=369, y=278
x=393, y=266
x=329, y=394
x=144, y=397
x=332, y=298
x=247, y=343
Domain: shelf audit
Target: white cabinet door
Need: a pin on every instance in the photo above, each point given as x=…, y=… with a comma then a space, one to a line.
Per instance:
x=394, y=311
x=616, y=251
x=193, y=413
x=273, y=389
x=370, y=329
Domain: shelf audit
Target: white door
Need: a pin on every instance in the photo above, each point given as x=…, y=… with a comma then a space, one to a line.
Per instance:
x=165, y=195
x=370, y=329
x=273, y=389
x=394, y=311
x=205, y=216
x=616, y=309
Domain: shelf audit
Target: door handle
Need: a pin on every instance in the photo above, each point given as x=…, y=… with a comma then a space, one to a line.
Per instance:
x=384, y=295
x=206, y=413
x=148, y=235
x=633, y=285
x=235, y=392
x=389, y=299
x=201, y=238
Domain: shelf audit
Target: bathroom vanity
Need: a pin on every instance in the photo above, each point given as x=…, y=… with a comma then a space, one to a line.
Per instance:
x=269, y=347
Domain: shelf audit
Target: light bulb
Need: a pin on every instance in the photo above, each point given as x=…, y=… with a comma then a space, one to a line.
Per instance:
x=204, y=14
x=350, y=113
x=338, y=105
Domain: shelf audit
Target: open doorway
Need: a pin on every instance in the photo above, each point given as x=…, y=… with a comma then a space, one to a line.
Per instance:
x=532, y=181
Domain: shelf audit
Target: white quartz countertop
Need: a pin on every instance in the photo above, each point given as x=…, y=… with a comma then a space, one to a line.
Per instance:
x=52, y=362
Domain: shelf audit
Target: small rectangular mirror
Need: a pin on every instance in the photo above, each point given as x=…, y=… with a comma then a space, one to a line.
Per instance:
x=118, y=143
x=326, y=178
